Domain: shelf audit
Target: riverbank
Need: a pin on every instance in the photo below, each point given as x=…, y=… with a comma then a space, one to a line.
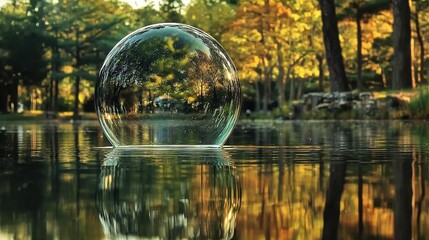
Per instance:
x=411, y=104
x=43, y=116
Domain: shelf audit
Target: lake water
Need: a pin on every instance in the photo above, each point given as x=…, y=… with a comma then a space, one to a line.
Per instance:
x=288, y=180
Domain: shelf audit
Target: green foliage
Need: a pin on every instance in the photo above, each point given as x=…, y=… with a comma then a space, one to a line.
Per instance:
x=273, y=43
x=40, y=39
x=419, y=106
x=171, y=10
x=283, y=112
x=211, y=16
x=21, y=45
x=22, y=57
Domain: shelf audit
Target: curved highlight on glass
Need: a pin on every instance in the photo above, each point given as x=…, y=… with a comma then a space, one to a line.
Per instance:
x=168, y=85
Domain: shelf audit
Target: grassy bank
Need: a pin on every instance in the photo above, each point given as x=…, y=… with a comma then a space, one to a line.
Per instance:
x=42, y=116
x=419, y=106
x=414, y=104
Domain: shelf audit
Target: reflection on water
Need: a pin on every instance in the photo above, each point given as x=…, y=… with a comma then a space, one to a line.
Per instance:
x=291, y=180
x=190, y=195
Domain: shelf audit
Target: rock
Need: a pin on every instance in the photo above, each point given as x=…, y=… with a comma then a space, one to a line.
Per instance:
x=363, y=96
x=394, y=102
x=363, y=102
x=323, y=106
x=296, y=110
x=345, y=101
x=311, y=100
x=390, y=102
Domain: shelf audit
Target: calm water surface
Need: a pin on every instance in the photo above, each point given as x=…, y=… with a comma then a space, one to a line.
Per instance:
x=290, y=180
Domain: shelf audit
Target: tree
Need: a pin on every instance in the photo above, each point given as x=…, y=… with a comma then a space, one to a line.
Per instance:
x=143, y=16
x=211, y=16
x=83, y=31
x=359, y=16
x=23, y=50
x=55, y=30
x=334, y=58
x=250, y=43
x=420, y=5
x=302, y=46
x=361, y=11
x=172, y=10
x=258, y=41
x=401, y=45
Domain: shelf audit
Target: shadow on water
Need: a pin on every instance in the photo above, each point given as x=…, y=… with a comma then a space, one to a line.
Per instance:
x=180, y=194
x=291, y=180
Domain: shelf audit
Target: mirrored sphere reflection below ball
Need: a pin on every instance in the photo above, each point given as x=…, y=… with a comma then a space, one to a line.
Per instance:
x=168, y=85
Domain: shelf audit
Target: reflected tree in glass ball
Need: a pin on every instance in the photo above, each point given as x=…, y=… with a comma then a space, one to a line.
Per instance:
x=168, y=84
x=190, y=195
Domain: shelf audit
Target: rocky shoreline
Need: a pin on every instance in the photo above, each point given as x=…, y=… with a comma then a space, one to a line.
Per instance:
x=364, y=104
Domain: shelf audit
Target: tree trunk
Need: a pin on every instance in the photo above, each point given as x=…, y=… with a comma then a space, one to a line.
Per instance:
x=258, y=97
x=55, y=70
x=3, y=97
x=51, y=94
x=359, y=51
x=292, y=89
x=267, y=84
x=401, y=45
x=76, y=99
x=289, y=80
x=414, y=67
x=266, y=95
x=321, y=71
x=14, y=96
x=77, y=83
x=51, y=102
x=331, y=41
x=427, y=73
x=422, y=48
x=300, y=88
x=54, y=76
x=281, y=78
x=56, y=94
x=383, y=78
x=265, y=61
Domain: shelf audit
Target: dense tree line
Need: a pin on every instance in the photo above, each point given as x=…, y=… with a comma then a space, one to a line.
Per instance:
x=50, y=53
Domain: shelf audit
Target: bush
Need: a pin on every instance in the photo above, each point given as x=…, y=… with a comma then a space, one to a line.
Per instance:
x=283, y=111
x=419, y=106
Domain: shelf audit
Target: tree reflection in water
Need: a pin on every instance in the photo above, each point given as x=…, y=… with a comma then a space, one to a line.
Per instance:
x=403, y=196
x=51, y=172
x=340, y=155
x=183, y=194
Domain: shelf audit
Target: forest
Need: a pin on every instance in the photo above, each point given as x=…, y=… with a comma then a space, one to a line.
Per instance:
x=51, y=51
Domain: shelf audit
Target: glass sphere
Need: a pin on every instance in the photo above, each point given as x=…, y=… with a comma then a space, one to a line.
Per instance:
x=168, y=85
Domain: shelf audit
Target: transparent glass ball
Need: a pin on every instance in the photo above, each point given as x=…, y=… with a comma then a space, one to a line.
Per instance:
x=168, y=85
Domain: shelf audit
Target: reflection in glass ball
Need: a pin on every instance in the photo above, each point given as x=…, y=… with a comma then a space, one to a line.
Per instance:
x=180, y=195
x=168, y=84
